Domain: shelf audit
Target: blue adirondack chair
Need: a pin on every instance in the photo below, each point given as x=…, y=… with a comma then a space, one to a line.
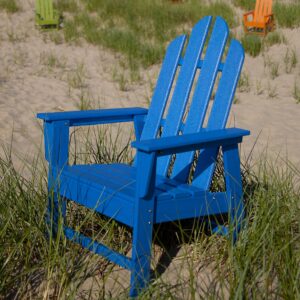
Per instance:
x=142, y=194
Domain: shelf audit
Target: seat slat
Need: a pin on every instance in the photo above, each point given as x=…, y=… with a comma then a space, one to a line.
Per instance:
x=219, y=113
x=115, y=179
x=103, y=177
x=103, y=188
x=111, y=203
x=183, y=86
x=202, y=95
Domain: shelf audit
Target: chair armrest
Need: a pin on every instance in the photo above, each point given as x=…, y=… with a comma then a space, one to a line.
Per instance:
x=188, y=142
x=92, y=117
x=249, y=13
x=269, y=16
x=149, y=150
x=56, y=127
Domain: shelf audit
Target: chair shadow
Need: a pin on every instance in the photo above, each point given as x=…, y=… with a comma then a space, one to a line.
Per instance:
x=172, y=236
x=164, y=262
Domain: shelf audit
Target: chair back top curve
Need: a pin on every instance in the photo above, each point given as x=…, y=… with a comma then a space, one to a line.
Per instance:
x=190, y=73
x=262, y=9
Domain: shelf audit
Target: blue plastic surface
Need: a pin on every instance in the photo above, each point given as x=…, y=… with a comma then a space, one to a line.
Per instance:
x=142, y=195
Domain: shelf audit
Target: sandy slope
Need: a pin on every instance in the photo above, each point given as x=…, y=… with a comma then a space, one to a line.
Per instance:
x=29, y=85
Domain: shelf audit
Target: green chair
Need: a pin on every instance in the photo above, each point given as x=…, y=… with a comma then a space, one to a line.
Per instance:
x=45, y=15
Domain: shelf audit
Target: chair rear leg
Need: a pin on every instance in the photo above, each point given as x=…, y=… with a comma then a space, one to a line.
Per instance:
x=141, y=247
x=234, y=190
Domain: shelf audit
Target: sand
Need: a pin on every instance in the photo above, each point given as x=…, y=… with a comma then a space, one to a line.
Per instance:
x=31, y=83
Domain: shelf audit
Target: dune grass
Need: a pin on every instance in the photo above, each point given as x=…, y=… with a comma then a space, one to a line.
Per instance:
x=70, y=6
x=10, y=6
x=139, y=29
x=245, y=4
x=296, y=92
x=273, y=38
x=287, y=14
x=264, y=263
x=252, y=44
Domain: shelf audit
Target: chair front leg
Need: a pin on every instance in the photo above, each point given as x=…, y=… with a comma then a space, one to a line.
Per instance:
x=56, y=135
x=233, y=181
x=56, y=213
x=143, y=222
x=141, y=247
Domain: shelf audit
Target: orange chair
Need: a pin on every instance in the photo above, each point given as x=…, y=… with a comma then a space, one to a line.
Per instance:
x=261, y=20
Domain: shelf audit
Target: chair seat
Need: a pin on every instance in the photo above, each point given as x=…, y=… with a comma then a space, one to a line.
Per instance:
x=110, y=190
x=255, y=24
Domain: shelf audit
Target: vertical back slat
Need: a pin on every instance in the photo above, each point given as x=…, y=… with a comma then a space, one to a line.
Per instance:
x=204, y=87
x=268, y=8
x=264, y=10
x=163, y=88
x=183, y=86
x=219, y=113
x=45, y=9
x=258, y=10
x=45, y=4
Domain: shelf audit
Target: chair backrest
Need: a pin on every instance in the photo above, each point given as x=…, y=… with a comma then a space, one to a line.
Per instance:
x=44, y=8
x=262, y=8
x=186, y=111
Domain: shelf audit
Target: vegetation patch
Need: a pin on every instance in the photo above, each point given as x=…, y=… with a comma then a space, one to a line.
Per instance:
x=9, y=5
x=246, y=4
x=275, y=37
x=252, y=44
x=296, y=92
x=290, y=60
x=66, y=5
x=287, y=15
x=264, y=262
x=139, y=29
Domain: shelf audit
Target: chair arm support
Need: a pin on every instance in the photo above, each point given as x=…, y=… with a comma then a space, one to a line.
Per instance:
x=56, y=127
x=251, y=12
x=93, y=117
x=189, y=142
x=247, y=14
x=149, y=150
x=267, y=17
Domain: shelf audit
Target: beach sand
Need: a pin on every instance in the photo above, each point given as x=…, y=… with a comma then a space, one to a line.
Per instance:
x=38, y=75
